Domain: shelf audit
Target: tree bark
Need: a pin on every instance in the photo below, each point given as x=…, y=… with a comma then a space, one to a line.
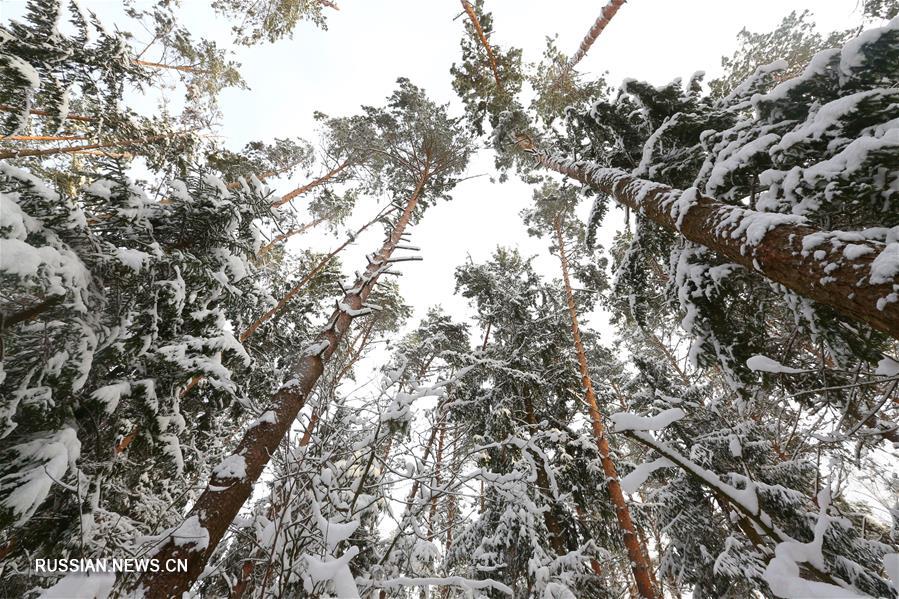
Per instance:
x=781, y=247
x=73, y=149
x=314, y=183
x=224, y=496
x=640, y=566
x=476, y=23
x=599, y=24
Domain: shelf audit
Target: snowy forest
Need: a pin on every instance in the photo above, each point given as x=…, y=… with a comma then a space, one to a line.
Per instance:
x=213, y=364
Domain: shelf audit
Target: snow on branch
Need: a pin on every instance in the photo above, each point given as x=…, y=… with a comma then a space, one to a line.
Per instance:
x=456, y=581
x=623, y=421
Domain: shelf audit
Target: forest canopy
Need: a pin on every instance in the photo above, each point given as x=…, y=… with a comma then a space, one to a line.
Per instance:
x=217, y=378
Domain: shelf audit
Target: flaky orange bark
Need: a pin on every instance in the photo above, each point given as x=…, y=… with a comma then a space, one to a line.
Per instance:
x=314, y=183
x=598, y=25
x=798, y=256
x=636, y=552
x=476, y=23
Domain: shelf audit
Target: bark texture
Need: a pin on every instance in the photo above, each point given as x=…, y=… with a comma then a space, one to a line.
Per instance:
x=314, y=183
x=636, y=552
x=599, y=24
x=781, y=247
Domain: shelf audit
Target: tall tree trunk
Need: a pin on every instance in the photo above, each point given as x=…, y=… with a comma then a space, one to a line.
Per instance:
x=246, y=570
x=636, y=552
x=249, y=331
x=599, y=24
x=314, y=183
x=225, y=495
x=476, y=23
x=780, y=247
x=305, y=280
x=128, y=143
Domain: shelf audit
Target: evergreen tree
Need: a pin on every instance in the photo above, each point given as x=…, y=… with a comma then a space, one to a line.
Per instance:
x=419, y=150
x=544, y=521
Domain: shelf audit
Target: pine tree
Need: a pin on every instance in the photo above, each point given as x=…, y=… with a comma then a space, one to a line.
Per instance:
x=488, y=79
x=553, y=211
x=538, y=460
x=95, y=362
x=419, y=150
x=271, y=20
x=766, y=240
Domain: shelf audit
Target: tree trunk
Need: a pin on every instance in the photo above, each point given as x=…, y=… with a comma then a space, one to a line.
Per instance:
x=601, y=21
x=305, y=281
x=73, y=149
x=38, y=112
x=780, y=247
x=224, y=496
x=314, y=183
x=640, y=565
x=43, y=138
x=249, y=331
x=473, y=17
x=246, y=569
